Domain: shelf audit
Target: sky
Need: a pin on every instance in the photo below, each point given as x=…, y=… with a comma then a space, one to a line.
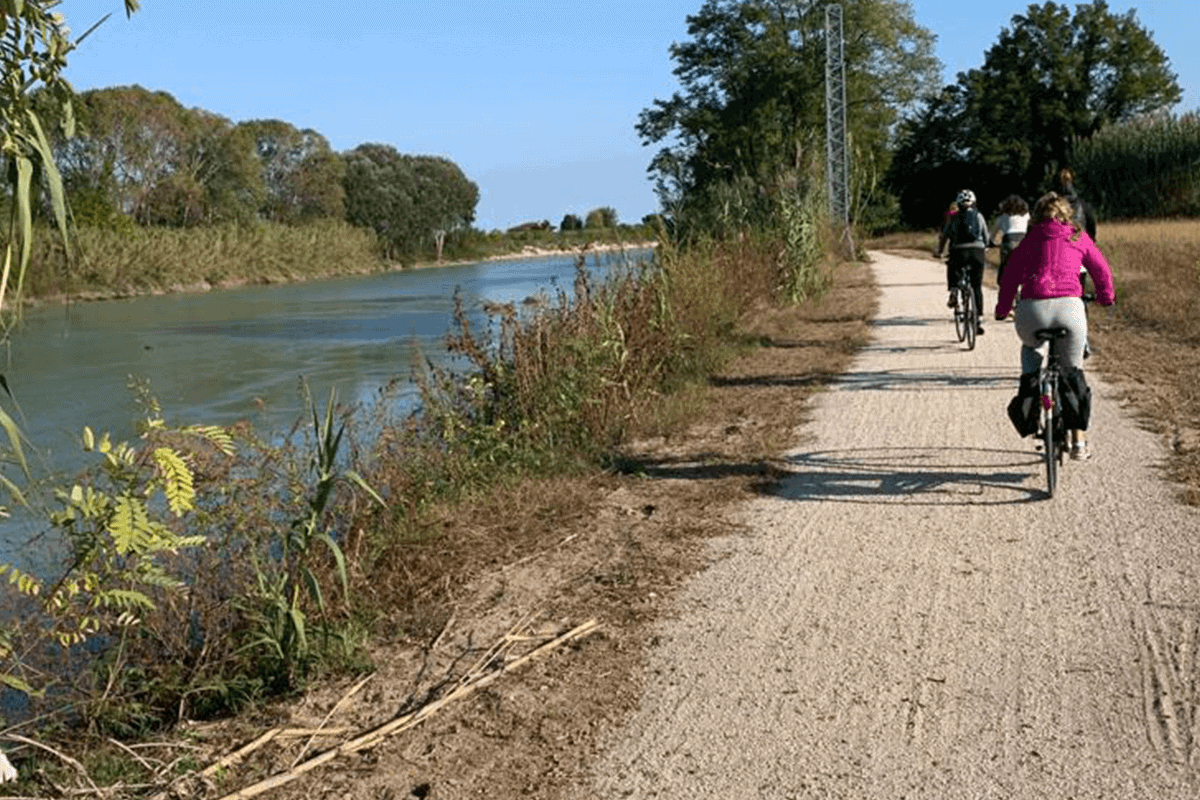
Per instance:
x=536, y=101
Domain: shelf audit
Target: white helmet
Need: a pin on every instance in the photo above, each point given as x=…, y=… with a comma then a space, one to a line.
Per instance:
x=966, y=198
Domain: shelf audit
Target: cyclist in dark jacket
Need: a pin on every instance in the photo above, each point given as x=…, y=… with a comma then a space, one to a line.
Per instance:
x=967, y=235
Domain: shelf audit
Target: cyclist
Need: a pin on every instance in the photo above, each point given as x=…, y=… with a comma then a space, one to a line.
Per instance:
x=1045, y=266
x=967, y=235
x=1010, y=229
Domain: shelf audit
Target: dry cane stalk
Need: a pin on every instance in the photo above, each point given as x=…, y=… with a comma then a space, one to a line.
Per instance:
x=373, y=737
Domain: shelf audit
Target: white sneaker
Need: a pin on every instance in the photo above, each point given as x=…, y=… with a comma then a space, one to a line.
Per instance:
x=1080, y=452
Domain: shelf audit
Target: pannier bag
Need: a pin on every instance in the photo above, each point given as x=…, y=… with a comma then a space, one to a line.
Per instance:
x=1024, y=410
x=1075, y=399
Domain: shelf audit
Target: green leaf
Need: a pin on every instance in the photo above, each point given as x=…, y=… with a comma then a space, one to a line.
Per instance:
x=13, y=682
x=25, y=222
x=358, y=481
x=339, y=558
x=46, y=157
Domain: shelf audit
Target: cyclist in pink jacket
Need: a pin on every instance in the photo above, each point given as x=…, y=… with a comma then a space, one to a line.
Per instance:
x=1045, y=266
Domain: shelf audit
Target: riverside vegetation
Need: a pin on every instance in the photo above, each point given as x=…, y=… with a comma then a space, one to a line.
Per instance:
x=209, y=569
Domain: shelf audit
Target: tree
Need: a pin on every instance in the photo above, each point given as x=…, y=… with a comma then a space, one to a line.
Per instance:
x=301, y=175
x=753, y=90
x=407, y=200
x=570, y=222
x=445, y=198
x=1051, y=79
x=603, y=217
x=149, y=157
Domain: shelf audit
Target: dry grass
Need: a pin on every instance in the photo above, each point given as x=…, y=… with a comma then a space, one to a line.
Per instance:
x=1150, y=341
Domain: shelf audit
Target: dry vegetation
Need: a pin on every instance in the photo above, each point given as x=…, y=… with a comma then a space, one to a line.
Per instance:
x=548, y=554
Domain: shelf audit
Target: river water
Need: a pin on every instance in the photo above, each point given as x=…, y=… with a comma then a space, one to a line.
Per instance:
x=219, y=357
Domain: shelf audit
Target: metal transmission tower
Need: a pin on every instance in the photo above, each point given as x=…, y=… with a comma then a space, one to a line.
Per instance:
x=836, y=149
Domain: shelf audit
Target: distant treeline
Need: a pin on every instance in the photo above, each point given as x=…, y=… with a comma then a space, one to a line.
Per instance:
x=139, y=160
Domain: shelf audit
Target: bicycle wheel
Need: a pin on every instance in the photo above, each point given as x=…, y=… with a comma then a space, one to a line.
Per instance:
x=960, y=314
x=971, y=321
x=1050, y=439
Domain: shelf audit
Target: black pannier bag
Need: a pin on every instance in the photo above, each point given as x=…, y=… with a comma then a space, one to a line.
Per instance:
x=1075, y=399
x=1024, y=410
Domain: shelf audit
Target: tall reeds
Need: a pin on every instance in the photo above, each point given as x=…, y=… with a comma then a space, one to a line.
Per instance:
x=1148, y=167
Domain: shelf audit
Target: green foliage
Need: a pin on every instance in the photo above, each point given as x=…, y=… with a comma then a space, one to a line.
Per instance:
x=1052, y=78
x=753, y=92
x=117, y=544
x=145, y=154
x=570, y=222
x=120, y=260
x=288, y=582
x=409, y=201
x=1146, y=167
x=302, y=177
x=603, y=217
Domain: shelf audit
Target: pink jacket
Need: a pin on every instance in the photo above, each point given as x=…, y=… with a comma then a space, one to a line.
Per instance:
x=1046, y=264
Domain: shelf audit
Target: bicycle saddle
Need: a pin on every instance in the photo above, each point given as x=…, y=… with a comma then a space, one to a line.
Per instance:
x=1047, y=334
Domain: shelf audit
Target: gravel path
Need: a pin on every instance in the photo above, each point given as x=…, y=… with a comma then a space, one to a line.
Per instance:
x=909, y=617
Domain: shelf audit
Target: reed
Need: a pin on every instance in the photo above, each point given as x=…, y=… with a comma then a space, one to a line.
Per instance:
x=136, y=260
x=1148, y=167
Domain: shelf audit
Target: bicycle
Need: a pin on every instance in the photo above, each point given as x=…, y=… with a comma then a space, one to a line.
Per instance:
x=966, y=315
x=1052, y=429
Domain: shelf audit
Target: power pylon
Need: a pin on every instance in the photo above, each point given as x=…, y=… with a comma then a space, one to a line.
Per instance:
x=836, y=149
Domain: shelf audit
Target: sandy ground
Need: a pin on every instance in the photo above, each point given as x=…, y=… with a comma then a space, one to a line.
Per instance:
x=909, y=617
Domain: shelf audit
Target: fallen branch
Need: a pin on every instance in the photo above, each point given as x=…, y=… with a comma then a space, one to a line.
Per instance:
x=376, y=735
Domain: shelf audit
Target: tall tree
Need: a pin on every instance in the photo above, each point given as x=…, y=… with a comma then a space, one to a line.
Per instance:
x=408, y=200
x=753, y=88
x=145, y=155
x=301, y=175
x=1051, y=79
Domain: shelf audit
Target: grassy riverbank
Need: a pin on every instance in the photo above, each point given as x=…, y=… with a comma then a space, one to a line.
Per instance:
x=111, y=263
x=300, y=572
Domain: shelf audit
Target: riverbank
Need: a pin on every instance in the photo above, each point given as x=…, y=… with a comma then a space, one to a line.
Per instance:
x=345, y=268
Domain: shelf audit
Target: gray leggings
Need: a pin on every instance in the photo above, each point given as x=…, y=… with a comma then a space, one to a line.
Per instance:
x=1066, y=312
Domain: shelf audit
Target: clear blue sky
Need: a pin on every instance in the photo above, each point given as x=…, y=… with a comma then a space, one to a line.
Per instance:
x=536, y=101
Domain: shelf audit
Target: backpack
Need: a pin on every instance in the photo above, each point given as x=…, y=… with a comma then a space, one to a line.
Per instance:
x=967, y=228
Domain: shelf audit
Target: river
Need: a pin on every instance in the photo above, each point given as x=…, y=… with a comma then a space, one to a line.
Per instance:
x=227, y=355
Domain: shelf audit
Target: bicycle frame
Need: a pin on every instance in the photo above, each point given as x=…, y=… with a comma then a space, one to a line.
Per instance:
x=1053, y=433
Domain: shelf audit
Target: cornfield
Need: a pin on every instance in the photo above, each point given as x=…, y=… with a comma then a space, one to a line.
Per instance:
x=1147, y=167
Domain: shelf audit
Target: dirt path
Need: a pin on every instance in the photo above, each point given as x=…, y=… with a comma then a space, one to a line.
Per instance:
x=909, y=617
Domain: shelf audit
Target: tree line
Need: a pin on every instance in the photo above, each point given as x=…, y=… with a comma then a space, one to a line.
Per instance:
x=139, y=157
x=751, y=107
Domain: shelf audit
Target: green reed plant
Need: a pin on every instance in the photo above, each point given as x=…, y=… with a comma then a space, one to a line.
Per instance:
x=287, y=581
x=107, y=261
x=1146, y=167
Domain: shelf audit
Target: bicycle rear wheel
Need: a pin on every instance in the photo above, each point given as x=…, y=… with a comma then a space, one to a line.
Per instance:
x=960, y=314
x=971, y=322
x=1050, y=441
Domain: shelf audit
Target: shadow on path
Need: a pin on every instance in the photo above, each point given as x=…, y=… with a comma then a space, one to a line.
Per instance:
x=921, y=380
x=912, y=476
